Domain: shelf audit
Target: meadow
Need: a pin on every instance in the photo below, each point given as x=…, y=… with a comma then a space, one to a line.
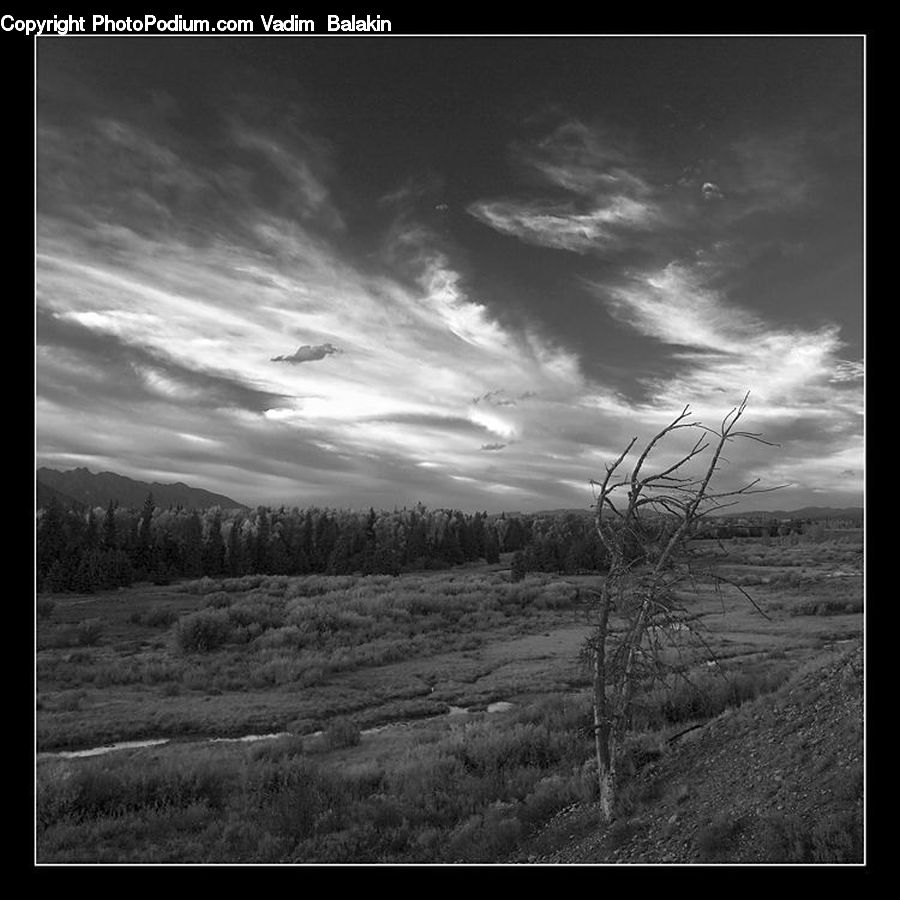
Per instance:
x=438, y=717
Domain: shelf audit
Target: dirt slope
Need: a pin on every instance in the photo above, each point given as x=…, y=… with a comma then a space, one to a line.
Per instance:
x=779, y=780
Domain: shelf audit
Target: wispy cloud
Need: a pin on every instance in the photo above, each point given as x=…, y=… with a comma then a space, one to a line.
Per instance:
x=725, y=347
x=799, y=397
x=304, y=171
x=177, y=331
x=602, y=200
x=169, y=272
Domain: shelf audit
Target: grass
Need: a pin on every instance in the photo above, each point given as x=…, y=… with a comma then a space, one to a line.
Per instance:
x=835, y=838
x=340, y=655
x=459, y=793
x=715, y=842
x=274, y=637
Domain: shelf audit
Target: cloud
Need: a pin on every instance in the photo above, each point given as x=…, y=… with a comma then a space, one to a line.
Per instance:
x=307, y=353
x=304, y=169
x=495, y=398
x=82, y=362
x=169, y=269
x=602, y=203
x=563, y=228
x=847, y=370
x=138, y=318
x=721, y=351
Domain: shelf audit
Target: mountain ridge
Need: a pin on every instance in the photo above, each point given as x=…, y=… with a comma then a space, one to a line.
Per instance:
x=99, y=489
x=804, y=512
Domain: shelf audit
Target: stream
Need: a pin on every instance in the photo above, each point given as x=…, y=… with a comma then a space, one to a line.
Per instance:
x=497, y=707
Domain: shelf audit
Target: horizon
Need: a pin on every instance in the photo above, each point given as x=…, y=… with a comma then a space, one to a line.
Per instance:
x=375, y=273
x=727, y=511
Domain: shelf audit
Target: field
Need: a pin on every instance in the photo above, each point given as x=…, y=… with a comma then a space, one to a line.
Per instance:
x=424, y=718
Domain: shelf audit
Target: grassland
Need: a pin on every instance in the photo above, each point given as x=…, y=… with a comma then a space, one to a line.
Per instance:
x=328, y=659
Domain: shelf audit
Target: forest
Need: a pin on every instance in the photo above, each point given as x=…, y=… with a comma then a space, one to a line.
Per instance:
x=87, y=549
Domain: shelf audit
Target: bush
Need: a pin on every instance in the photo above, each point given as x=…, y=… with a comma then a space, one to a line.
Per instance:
x=550, y=795
x=92, y=792
x=837, y=838
x=484, y=838
x=279, y=749
x=45, y=607
x=268, y=612
x=87, y=633
x=716, y=840
x=160, y=617
x=204, y=630
x=835, y=607
x=218, y=600
x=342, y=733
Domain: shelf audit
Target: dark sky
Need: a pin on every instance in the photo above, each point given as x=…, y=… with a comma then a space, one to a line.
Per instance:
x=463, y=271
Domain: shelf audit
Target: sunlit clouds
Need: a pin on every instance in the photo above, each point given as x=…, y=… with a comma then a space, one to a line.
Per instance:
x=192, y=328
x=723, y=348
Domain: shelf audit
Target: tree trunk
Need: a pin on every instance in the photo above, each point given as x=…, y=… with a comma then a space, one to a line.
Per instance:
x=608, y=791
x=606, y=765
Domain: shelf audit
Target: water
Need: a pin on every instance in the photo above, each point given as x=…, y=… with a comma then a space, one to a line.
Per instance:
x=250, y=737
x=498, y=707
x=106, y=748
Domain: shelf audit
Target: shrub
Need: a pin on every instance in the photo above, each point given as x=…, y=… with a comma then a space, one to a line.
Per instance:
x=835, y=607
x=204, y=630
x=342, y=733
x=267, y=612
x=160, y=617
x=87, y=633
x=484, y=837
x=91, y=792
x=715, y=841
x=837, y=838
x=279, y=749
x=550, y=795
x=45, y=607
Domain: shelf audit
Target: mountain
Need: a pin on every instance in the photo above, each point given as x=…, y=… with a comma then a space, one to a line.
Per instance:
x=807, y=512
x=85, y=487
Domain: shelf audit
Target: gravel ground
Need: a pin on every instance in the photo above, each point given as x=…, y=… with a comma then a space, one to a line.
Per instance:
x=779, y=780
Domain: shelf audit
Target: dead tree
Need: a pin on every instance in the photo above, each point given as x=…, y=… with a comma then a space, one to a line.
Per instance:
x=644, y=521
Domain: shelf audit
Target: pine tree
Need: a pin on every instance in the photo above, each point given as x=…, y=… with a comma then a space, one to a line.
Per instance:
x=261, y=562
x=491, y=547
x=51, y=542
x=193, y=547
x=234, y=556
x=109, y=527
x=91, y=536
x=214, y=548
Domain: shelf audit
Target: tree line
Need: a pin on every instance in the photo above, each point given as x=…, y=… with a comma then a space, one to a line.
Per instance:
x=87, y=549
x=82, y=549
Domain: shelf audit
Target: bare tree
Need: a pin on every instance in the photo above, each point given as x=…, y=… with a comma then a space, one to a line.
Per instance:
x=644, y=522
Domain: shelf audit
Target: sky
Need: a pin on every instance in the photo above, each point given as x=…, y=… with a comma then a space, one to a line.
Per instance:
x=461, y=271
